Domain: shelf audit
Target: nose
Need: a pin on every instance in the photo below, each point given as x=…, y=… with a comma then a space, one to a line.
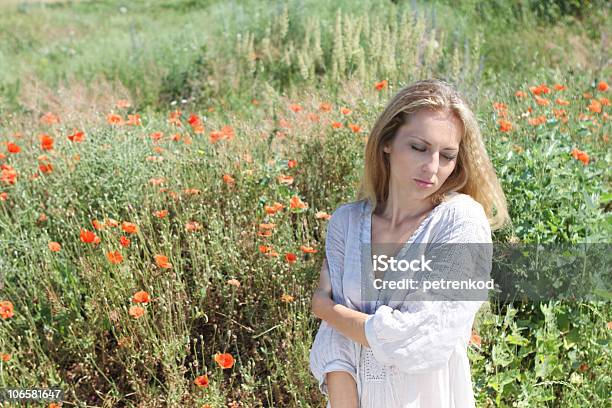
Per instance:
x=431, y=164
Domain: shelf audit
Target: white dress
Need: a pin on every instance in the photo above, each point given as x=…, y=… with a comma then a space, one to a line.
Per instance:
x=418, y=350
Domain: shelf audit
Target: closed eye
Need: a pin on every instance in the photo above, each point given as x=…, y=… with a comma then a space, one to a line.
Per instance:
x=418, y=149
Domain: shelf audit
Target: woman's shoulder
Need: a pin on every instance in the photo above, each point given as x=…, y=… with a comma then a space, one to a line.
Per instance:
x=461, y=215
x=346, y=211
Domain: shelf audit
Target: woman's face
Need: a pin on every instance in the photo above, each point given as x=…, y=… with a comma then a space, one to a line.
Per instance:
x=424, y=151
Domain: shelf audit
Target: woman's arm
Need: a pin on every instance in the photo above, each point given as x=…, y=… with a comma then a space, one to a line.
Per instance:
x=350, y=323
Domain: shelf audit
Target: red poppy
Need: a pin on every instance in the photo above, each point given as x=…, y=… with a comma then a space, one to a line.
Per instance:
x=54, y=246
x=6, y=309
x=129, y=227
x=290, y=257
x=504, y=125
x=89, y=237
x=12, y=148
x=308, y=249
x=46, y=142
x=580, y=155
x=136, y=312
x=381, y=85
x=291, y=164
x=227, y=179
x=201, y=381
x=296, y=202
x=124, y=241
x=141, y=297
x=225, y=360
x=114, y=257
x=76, y=136
x=133, y=120
x=114, y=119
x=162, y=261
x=602, y=86
x=325, y=106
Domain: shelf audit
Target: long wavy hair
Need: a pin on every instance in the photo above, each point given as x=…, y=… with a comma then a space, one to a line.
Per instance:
x=473, y=173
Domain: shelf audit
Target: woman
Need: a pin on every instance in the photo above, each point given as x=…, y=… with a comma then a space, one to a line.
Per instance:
x=427, y=179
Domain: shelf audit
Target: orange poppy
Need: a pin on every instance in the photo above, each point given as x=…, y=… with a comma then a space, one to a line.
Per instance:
x=162, y=261
x=308, y=249
x=542, y=101
x=562, y=102
x=559, y=87
x=381, y=85
x=264, y=248
x=475, y=339
x=97, y=225
x=283, y=179
x=336, y=125
x=141, y=297
x=291, y=164
x=504, y=125
x=76, y=136
x=540, y=89
x=160, y=213
x=124, y=241
x=45, y=168
x=580, y=155
x=54, y=246
x=201, y=381
x=325, y=106
x=290, y=257
x=136, y=312
x=114, y=257
x=540, y=120
x=129, y=227
x=46, y=142
x=322, y=215
x=345, y=111
x=114, y=119
x=12, y=148
x=5, y=357
x=155, y=136
x=296, y=108
x=6, y=309
x=354, y=128
x=193, y=226
x=595, y=106
x=225, y=360
x=296, y=202
x=602, y=86
x=229, y=180
x=89, y=237
x=111, y=223
x=49, y=118
x=133, y=120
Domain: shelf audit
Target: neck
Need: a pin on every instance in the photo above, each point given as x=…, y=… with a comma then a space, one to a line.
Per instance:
x=401, y=208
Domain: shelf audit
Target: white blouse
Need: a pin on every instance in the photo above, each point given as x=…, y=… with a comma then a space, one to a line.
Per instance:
x=418, y=349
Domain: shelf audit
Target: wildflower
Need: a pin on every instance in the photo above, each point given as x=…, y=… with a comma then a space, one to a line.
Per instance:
x=5, y=357
x=540, y=89
x=201, y=381
x=355, y=128
x=290, y=257
x=291, y=164
x=559, y=87
x=45, y=168
x=296, y=202
x=123, y=103
x=6, y=309
x=475, y=339
x=595, y=106
x=124, y=241
x=308, y=249
x=542, y=101
x=500, y=106
x=322, y=215
x=76, y=136
x=133, y=120
x=561, y=102
x=381, y=85
x=3, y=196
x=162, y=261
x=296, y=108
x=264, y=248
x=8, y=174
x=156, y=181
x=540, y=120
x=155, y=136
x=97, y=225
x=192, y=226
x=136, y=312
x=345, y=111
x=336, y=125
x=12, y=148
x=46, y=142
x=114, y=119
x=89, y=237
x=54, y=246
x=580, y=155
x=49, y=118
x=325, y=106
x=283, y=179
x=160, y=213
x=114, y=257
x=504, y=125
x=225, y=360
x=234, y=282
x=604, y=101
x=111, y=223
x=215, y=136
x=520, y=94
x=285, y=298
x=229, y=180
x=602, y=86
x=129, y=227
x=141, y=297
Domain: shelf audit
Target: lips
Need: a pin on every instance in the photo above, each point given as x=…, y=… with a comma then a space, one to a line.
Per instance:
x=423, y=182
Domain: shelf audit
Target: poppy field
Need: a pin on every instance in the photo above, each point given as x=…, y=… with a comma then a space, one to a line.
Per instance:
x=168, y=168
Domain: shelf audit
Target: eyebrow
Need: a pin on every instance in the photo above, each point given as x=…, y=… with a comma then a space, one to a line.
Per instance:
x=429, y=144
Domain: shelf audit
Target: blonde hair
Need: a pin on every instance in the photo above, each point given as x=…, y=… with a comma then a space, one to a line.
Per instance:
x=473, y=173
